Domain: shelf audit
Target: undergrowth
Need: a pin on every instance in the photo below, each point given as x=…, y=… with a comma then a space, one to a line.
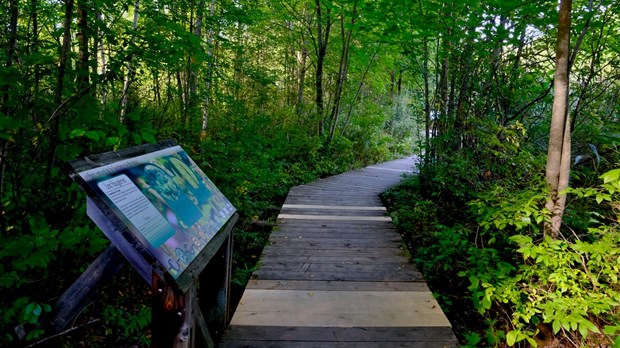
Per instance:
x=47, y=241
x=475, y=231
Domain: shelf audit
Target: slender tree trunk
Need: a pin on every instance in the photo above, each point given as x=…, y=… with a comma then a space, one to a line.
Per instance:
x=399, y=82
x=11, y=48
x=129, y=73
x=104, y=64
x=35, y=49
x=559, y=154
x=427, y=105
x=210, y=66
x=62, y=68
x=342, y=70
x=322, y=41
x=302, y=76
x=357, y=93
x=6, y=91
x=82, y=36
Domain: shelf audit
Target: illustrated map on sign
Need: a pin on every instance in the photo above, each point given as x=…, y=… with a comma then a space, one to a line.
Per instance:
x=169, y=204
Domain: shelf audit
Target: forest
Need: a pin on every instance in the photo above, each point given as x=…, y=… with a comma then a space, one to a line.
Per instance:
x=511, y=105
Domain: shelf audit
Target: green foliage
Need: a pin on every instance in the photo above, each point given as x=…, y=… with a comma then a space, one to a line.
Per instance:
x=127, y=324
x=568, y=287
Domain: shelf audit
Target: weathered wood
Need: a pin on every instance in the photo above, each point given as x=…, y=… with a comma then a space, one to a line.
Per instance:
x=336, y=285
x=403, y=276
x=203, y=336
x=331, y=207
x=360, y=234
x=84, y=289
x=348, y=260
x=331, y=344
x=102, y=159
x=304, y=308
x=352, y=252
x=170, y=309
x=291, y=335
x=335, y=273
x=334, y=212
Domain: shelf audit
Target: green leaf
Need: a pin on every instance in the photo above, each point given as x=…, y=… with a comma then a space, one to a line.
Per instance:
x=76, y=133
x=589, y=326
x=148, y=137
x=610, y=330
x=34, y=334
x=111, y=141
x=612, y=175
x=511, y=337
x=92, y=135
x=474, y=282
x=556, y=326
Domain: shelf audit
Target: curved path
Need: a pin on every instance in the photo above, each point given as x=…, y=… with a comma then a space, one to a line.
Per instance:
x=335, y=274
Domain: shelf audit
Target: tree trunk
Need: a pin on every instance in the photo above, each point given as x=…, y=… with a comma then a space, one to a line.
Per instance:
x=207, y=101
x=302, y=76
x=342, y=71
x=35, y=49
x=62, y=68
x=427, y=106
x=82, y=36
x=559, y=154
x=11, y=49
x=322, y=40
x=6, y=90
x=129, y=73
x=104, y=65
x=357, y=93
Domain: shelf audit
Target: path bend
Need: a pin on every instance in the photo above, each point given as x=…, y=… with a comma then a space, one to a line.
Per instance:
x=335, y=273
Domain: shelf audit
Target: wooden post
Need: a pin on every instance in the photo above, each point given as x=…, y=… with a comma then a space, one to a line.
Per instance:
x=171, y=313
x=214, y=289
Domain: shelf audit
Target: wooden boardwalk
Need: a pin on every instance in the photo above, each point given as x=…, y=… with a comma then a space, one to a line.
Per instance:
x=335, y=274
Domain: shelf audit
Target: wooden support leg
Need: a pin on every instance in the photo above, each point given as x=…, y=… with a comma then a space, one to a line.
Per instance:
x=214, y=290
x=84, y=289
x=176, y=318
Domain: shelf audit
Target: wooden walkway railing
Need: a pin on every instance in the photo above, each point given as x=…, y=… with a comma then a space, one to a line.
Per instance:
x=335, y=274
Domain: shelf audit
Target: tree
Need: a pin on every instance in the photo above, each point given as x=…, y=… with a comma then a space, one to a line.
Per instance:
x=323, y=27
x=559, y=153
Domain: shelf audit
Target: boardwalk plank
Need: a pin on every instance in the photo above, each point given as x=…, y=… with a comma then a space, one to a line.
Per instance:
x=442, y=335
x=336, y=285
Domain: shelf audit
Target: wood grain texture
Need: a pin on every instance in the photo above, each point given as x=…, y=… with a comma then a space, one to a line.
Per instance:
x=336, y=274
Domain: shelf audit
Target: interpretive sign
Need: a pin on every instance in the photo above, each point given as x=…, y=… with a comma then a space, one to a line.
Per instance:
x=165, y=200
x=166, y=218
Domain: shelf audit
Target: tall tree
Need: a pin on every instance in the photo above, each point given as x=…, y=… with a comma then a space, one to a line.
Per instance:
x=559, y=153
x=83, y=52
x=343, y=67
x=60, y=83
x=206, y=104
x=324, y=25
x=129, y=72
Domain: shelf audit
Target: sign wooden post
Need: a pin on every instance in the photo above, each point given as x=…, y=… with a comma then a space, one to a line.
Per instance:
x=170, y=222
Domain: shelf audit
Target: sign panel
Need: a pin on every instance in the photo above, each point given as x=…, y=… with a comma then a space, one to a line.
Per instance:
x=167, y=202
